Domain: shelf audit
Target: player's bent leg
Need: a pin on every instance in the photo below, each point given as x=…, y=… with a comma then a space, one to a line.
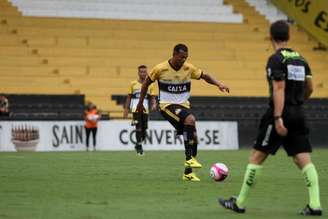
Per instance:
x=257, y=157
x=188, y=130
x=191, y=143
x=195, y=163
x=303, y=161
x=188, y=136
x=253, y=170
x=177, y=116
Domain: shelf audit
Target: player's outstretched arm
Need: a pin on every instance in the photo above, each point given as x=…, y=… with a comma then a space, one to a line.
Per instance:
x=144, y=88
x=211, y=80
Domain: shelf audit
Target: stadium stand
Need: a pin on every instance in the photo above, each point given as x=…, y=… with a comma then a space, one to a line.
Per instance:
x=45, y=107
x=193, y=10
x=267, y=9
x=98, y=57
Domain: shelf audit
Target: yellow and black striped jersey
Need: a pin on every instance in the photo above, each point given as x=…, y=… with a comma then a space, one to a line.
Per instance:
x=174, y=85
x=134, y=91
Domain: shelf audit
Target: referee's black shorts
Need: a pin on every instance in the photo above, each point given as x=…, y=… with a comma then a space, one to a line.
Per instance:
x=140, y=120
x=296, y=141
x=176, y=115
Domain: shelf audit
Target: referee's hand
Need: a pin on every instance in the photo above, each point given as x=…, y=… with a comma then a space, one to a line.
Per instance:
x=280, y=127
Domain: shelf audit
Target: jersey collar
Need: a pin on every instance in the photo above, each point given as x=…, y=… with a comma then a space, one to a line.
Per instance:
x=175, y=69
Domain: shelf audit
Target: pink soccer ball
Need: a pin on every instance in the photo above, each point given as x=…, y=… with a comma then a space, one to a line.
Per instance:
x=219, y=171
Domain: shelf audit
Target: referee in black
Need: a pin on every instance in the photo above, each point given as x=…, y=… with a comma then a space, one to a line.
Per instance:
x=283, y=124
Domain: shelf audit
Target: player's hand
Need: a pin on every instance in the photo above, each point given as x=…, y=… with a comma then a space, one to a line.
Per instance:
x=153, y=107
x=223, y=87
x=140, y=108
x=280, y=127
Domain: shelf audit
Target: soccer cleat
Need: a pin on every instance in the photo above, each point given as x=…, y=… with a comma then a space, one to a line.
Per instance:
x=193, y=163
x=140, y=153
x=231, y=204
x=307, y=211
x=139, y=150
x=190, y=177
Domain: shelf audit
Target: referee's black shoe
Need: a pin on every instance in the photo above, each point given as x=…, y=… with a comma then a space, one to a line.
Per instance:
x=231, y=204
x=307, y=211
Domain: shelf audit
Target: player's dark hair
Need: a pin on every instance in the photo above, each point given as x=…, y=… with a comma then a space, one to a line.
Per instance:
x=180, y=48
x=279, y=31
x=141, y=66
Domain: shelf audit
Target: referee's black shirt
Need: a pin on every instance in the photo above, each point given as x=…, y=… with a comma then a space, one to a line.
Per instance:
x=288, y=65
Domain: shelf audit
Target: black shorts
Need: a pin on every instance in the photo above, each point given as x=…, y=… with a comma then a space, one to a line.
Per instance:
x=176, y=115
x=140, y=120
x=296, y=141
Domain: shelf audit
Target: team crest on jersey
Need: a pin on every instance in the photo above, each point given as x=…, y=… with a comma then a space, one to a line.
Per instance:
x=177, y=111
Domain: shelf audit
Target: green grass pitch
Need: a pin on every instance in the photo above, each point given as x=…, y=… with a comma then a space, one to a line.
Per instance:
x=113, y=185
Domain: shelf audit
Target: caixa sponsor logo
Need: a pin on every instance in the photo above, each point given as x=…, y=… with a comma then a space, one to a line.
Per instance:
x=177, y=88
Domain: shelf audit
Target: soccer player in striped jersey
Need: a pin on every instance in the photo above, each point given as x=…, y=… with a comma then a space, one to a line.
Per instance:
x=140, y=120
x=174, y=82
